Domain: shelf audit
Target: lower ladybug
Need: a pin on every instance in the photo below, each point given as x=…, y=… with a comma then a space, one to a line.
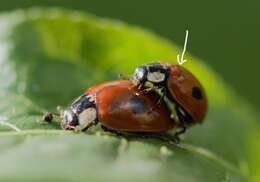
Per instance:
x=178, y=85
x=118, y=106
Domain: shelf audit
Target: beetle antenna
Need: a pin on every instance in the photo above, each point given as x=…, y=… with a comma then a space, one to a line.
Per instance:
x=182, y=60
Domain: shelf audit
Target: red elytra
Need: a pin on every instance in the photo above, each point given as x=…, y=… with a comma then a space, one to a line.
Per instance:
x=187, y=91
x=120, y=107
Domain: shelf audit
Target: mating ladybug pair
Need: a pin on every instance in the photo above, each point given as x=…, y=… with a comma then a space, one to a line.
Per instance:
x=138, y=107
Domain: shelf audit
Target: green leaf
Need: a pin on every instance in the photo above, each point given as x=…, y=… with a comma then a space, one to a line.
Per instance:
x=49, y=57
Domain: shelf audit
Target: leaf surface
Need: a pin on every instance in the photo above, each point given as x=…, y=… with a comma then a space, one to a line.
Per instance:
x=49, y=57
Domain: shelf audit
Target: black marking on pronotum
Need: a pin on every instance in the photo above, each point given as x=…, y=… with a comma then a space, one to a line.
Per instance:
x=157, y=67
x=82, y=103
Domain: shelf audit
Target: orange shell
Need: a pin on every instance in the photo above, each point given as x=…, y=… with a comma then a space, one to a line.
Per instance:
x=122, y=107
x=181, y=86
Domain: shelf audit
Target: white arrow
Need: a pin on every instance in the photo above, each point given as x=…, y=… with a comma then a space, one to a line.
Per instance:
x=182, y=60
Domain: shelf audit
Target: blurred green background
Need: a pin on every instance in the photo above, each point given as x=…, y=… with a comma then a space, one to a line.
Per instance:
x=45, y=47
x=225, y=34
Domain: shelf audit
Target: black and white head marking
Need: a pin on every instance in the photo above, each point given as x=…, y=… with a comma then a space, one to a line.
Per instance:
x=88, y=116
x=154, y=73
x=157, y=73
x=81, y=113
x=156, y=77
x=69, y=119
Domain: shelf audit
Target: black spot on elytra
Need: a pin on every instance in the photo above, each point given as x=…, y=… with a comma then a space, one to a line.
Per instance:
x=196, y=93
x=138, y=105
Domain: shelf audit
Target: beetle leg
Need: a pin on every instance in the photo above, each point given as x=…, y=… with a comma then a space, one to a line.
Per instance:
x=140, y=86
x=147, y=90
x=178, y=133
x=182, y=119
x=153, y=88
x=159, y=101
x=88, y=126
x=111, y=130
x=161, y=97
x=128, y=135
x=163, y=137
x=171, y=139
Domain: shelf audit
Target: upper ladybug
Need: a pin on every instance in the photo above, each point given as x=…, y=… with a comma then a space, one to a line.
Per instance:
x=179, y=85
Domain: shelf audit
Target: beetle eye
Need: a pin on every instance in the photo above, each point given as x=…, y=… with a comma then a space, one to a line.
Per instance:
x=139, y=74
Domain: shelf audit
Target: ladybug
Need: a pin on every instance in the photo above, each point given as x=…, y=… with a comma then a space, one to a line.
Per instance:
x=119, y=107
x=179, y=85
